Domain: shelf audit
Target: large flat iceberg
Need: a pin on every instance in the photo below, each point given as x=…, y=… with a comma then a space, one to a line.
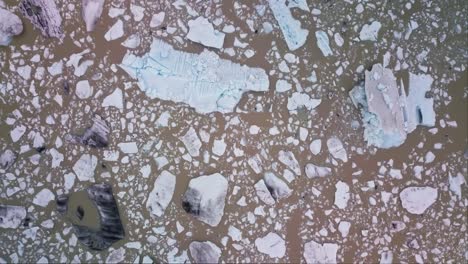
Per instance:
x=388, y=114
x=203, y=81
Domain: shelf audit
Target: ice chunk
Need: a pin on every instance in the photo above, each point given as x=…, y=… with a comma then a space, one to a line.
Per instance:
x=341, y=195
x=128, y=147
x=17, y=133
x=83, y=89
x=161, y=195
x=420, y=109
x=204, y=252
x=205, y=198
x=44, y=197
x=417, y=199
x=320, y=253
x=299, y=100
x=80, y=65
x=202, y=31
x=132, y=42
x=301, y=4
x=293, y=34
x=454, y=183
x=116, y=256
x=44, y=15
x=264, y=193
x=386, y=257
x=288, y=159
x=323, y=43
x=283, y=86
x=114, y=99
x=370, y=31
x=336, y=149
x=10, y=25
x=272, y=244
x=277, y=188
x=56, y=68
x=96, y=136
x=91, y=11
x=343, y=227
x=7, y=159
x=11, y=216
x=219, y=147
x=203, y=81
x=315, y=146
x=157, y=19
x=138, y=12
x=115, y=32
x=85, y=166
x=192, y=142
x=313, y=171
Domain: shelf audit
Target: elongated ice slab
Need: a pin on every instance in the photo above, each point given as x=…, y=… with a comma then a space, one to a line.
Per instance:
x=203, y=81
x=91, y=11
x=293, y=34
x=323, y=43
x=161, y=195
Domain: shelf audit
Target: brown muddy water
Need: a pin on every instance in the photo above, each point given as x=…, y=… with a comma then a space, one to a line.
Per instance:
x=420, y=37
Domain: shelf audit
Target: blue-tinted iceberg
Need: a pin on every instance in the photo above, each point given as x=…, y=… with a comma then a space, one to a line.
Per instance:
x=203, y=81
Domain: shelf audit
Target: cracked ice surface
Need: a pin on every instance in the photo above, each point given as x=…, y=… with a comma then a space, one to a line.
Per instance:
x=203, y=81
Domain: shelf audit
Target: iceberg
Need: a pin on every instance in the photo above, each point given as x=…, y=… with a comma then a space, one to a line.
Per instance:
x=202, y=81
x=294, y=35
x=387, y=113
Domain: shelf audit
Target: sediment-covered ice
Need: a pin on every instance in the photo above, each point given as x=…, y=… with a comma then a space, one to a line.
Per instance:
x=387, y=113
x=161, y=195
x=320, y=253
x=293, y=34
x=204, y=252
x=11, y=216
x=203, y=81
x=10, y=25
x=91, y=11
x=205, y=198
x=202, y=31
x=314, y=171
x=416, y=200
x=44, y=15
x=272, y=244
x=7, y=159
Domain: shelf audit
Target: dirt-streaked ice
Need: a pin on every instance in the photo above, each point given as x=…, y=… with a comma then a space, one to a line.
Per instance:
x=203, y=81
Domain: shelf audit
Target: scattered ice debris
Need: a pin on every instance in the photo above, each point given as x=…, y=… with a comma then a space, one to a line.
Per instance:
x=43, y=197
x=370, y=31
x=323, y=43
x=7, y=159
x=91, y=11
x=455, y=183
x=205, y=198
x=204, y=252
x=283, y=86
x=272, y=244
x=313, y=171
x=293, y=34
x=96, y=136
x=336, y=149
x=302, y=100
x=110, y=226
x=83, y=89
x=115, y=32
x=192, y=142
x=44, y=15
x=114, y=99
x=84, y=167
x=315, y=146
x=161, y=195
x=341, y=195
x=388, y=115
x=10, y=25
x=320, y=253
x=417, y=199
x=157, y=19
x=202, y=31
x=11, y=216
x=271, y=189
x=128, y=147
x=203, y=81
x=288, y=159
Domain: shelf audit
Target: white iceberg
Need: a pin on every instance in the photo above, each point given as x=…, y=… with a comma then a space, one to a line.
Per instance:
x=202, y=31
x=203, y=81
x=293, y=34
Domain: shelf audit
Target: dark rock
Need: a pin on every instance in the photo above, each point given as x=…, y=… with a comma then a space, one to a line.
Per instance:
x=96, y=136
x=80, y=212
x=62, y=203
x=191, y=202
x=44, y=15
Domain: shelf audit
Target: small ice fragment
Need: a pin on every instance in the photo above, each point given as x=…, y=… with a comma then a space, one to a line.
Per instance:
x=202, y=31
x=336, y=149
x=17, y=133
x=315, y=146
x=157, y=19
x=83, y=89
x=114, y=99
x=56, y=68
x=204, y=252
x=283, y=86
x=128, y=147
x=288, y=159
x=43, y=198
x=11, y=216
x=272, y=245
x=417, y=199
x=7, y=159
x=115, y=32
x=386, y=257
x=341, y=195
x=132, y=42
x=370, y=31
x=219, y=147
x=277, y=187
x=343, y=227
x=137, y=12
x=323, y=43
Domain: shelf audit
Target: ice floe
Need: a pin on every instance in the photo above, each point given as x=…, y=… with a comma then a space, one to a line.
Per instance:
x=114, y=99
x=204, y=252
x=161, y=195
x=115, y=32
x=7, y=159
x=315, y=146
x=455, y=183
x=293, y=34
x=91, y=11
x=370, y=32
x=416, y=200
x=320, y=253
x=96, y=136
x=313, y=171
x=43, y=197
x=288, y=159
x=157, y=19
x=203, y=81
x=192, y=142
x=323, y=43
x=342, y=195
x=83, y=89
x=10, y=25
x=84, y=167
x=11, y=216
x=272, y=244
x=271, y=188
x=336, y=149
x=302, y=100
x=205, y=198
x=44, y=15
x=202, y=31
